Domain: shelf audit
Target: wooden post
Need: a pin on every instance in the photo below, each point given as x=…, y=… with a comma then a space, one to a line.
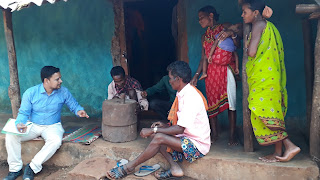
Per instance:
x=115, y=43
x=182, y=44
x=308, y=66
x=247, y=127
x=123, y=43
x=14, y=88
x=315, y=114
x=119, y=47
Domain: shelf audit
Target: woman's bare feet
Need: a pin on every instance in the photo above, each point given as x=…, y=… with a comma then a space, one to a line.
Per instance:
x=270, y=158
x=203, y=76
x=288, y=154
x=291, y=151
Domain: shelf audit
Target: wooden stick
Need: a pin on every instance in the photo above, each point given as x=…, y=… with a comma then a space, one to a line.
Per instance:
x=307, y=8
x=14, y=88
x=315, y=114
x=308, y=65
x=247, y=127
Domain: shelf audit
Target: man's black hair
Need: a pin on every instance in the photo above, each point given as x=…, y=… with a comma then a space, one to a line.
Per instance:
x=117, y=71
x=48, y=71
x=210, y=9
x=180, y=69
x=255, y=5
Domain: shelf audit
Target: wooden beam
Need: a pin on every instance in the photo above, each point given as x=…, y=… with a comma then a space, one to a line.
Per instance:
x=247, y=127
x=14, y=88
x=307, y=8
x=315, y=114
x=308, y=65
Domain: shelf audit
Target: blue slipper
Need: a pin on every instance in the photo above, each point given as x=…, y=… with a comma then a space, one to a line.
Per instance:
x=146, y=170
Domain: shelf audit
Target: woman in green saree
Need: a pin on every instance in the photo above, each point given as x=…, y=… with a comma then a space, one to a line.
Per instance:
x=267, y=83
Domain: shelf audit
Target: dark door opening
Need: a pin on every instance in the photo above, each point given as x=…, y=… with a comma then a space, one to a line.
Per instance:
x=150, y=38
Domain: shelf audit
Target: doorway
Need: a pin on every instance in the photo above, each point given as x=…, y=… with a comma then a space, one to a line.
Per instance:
x=151, y=38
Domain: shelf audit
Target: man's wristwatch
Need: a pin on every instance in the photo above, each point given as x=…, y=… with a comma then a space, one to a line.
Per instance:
x=155, y=129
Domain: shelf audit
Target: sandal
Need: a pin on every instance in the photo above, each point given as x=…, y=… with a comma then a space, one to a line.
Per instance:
x=121, y=162
x=146, y=170
x=118, y=173
x=167, y=175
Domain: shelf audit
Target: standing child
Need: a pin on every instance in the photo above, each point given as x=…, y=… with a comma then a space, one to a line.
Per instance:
x=227, y=45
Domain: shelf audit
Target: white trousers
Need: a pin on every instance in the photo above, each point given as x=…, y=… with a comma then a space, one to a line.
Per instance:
x=231, y=90
x=52, y=135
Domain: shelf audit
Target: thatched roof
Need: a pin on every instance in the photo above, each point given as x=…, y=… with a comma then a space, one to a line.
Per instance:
x=16, y=5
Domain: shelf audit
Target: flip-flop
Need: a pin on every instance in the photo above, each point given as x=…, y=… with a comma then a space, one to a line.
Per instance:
x=146, y=170
x=121, y=163
x=118, y=173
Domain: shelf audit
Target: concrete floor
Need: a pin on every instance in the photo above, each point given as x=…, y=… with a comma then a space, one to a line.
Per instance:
x=222, y=162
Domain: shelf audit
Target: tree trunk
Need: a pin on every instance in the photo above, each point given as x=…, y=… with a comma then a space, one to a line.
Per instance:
x=308, y=66
x=315, y=114
x=247, y=127
x=14, y=88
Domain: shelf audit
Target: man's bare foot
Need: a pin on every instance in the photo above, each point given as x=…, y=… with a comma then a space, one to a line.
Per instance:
x=288, y=154
x=269, y=158
x=233, y=142
x=203, y=76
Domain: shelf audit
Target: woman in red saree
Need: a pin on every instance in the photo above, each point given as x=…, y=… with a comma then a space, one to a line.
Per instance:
x=220, y=83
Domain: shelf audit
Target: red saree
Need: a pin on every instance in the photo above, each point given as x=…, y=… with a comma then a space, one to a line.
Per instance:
x=216, y=82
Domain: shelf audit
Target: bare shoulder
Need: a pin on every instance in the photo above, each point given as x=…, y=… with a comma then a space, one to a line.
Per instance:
x=259, y=26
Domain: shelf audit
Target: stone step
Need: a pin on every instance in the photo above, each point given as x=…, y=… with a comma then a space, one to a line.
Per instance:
x=222, y=162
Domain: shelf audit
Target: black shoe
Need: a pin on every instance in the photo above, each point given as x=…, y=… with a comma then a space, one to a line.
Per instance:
x=13, y=175
x=28, y=173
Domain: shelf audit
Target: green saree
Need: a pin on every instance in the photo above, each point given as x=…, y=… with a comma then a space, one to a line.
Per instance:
x=267, y=88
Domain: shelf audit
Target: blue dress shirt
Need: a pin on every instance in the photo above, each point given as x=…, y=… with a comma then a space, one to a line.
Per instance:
x=43, y=109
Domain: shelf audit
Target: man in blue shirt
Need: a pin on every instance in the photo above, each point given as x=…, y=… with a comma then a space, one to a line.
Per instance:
x=41, y=104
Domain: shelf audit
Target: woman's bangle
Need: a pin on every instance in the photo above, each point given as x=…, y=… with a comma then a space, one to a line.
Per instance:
x=233, y=37
x=197, y=73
